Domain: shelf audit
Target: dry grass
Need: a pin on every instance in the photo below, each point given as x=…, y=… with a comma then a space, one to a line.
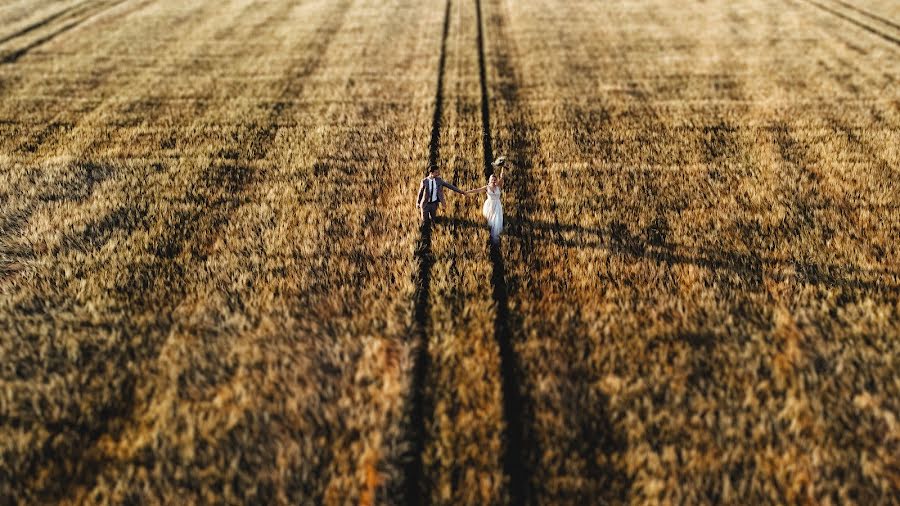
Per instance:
x=208, y=252
x=462, y=458
x=704, y=250
x=188, y=315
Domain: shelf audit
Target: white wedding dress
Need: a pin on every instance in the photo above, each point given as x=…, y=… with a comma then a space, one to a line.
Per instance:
x=493, y=212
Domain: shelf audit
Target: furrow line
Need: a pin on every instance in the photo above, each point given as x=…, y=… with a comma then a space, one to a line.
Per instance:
x=868, y=14
x=14, y=56
x=513, y=462
x=40, y=24
x=414, y=467
x=858, y=23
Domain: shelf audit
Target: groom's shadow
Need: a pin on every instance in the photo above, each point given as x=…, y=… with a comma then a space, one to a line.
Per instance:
x=653, y=243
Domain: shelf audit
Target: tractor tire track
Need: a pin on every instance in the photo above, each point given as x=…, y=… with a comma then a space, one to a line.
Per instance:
x=513, y=413
x=15, y=55
x=415, y=473
x=868, y=14
x=40, y=24
x=868, y=28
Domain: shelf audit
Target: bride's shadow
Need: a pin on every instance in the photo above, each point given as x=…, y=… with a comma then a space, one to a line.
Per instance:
x=653, y=244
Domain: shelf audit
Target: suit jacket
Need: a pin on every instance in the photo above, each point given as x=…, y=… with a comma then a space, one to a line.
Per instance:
x=424, y=187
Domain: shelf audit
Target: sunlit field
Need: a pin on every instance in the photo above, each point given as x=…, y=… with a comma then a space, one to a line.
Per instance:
x=215, y=287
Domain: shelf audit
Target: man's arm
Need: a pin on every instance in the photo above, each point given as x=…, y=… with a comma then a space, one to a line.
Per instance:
x=448, y=185
x=419, y=196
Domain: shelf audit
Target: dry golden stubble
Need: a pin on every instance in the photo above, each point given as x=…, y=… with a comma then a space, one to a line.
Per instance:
x=201, y=239
x=701, y=253
x=714, y=319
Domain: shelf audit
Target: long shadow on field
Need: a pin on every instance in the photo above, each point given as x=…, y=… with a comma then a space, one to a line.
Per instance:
x=651, y=245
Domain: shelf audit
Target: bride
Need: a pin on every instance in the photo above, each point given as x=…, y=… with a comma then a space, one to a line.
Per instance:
x=492, y=208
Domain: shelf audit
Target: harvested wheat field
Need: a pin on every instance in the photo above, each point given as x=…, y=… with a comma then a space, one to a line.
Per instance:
x=215, y=287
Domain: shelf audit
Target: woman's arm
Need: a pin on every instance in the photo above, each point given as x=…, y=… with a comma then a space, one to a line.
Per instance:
x=501, y=162
x=476, y=190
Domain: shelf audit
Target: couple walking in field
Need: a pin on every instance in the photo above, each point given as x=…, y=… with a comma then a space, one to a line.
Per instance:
x=431, y=195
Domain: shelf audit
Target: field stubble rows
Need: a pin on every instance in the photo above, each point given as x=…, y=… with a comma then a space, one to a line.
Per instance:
x=722, y=277
x=196, y=308
x=209, y=279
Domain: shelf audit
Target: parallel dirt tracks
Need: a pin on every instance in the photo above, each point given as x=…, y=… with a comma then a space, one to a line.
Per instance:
x=207, y=279
x=887, y=14
x=68, y=19
x=849, y=13
x=28, y=18
x=463, y=446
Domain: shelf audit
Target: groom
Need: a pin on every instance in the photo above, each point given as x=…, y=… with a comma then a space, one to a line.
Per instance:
x=431, y=193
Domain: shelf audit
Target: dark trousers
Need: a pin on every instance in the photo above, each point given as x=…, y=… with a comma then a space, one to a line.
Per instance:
x=429, y=211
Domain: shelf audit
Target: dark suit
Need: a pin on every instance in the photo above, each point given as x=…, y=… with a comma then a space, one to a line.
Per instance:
x=425, y=199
